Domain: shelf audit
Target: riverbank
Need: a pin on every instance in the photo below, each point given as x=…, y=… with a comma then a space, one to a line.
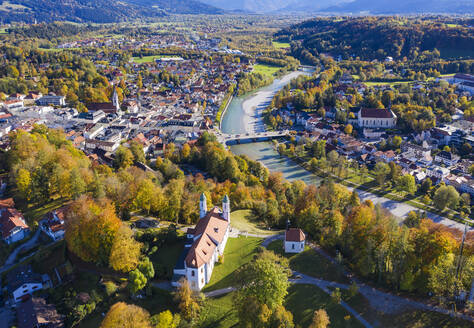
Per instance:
x=396, y=204
x=244, y=115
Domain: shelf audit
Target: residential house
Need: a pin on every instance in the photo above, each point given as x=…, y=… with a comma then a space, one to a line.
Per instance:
x=36, y=313
x=22, y=281
x=294, y=240
x=437, y=172
x=208, y=240
x=447, y=158
x=53, y=224
x=13, y=226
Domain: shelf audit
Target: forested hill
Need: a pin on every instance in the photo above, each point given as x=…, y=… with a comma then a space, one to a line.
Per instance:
x=377, y=37
x=179, y=6
x=96, y=11
x=405, y=6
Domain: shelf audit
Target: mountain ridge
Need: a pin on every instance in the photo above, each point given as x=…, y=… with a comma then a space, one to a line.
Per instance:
x=97, y=11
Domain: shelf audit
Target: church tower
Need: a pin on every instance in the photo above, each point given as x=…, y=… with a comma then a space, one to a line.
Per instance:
x=226, y=208
x=202, y=206
x=115, y=99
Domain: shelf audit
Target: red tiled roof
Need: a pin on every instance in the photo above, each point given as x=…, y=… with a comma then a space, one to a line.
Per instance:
x=376, y=113
x=212, y=229
x=10, y=219
x=295, y=235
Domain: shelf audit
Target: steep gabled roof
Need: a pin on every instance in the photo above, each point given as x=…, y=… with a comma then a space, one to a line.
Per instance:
x=376, y=113
x=210, y=231
x=294, y=235
x=10, y=219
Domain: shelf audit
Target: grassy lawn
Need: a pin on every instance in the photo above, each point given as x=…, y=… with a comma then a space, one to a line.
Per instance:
x=219, y=312
x=303, y=300
x=149, y=59
x=281, y=45
x=36, y=212
x=311, y=263
x=265, y=69
x=238, y=252
x=244, y=221
x=164, y=260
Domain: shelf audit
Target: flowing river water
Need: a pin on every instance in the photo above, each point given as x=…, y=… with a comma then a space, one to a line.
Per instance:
x=244, y=115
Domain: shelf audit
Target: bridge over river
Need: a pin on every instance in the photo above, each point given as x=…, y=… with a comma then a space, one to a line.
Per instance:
x=232, y=139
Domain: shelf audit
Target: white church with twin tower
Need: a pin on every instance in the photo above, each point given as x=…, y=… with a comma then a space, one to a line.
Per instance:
x=208, y=239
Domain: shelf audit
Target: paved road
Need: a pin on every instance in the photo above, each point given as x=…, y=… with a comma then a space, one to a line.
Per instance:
x=23, y=247
x=401, y=210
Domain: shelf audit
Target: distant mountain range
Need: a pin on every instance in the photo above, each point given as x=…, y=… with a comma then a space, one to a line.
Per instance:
x=348, y=6
x=107, y=11
x=405, y=6
x=97, y=11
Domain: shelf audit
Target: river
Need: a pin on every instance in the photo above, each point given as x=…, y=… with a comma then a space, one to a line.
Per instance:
x=244, y=115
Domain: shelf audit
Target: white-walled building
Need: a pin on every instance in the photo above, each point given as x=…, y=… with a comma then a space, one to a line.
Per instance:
x=376, y=118
x=209, y=239
x=294, y=240
x=23, y=281
x=53, y=224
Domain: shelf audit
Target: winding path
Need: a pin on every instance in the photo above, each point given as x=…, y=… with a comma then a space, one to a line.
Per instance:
x=380, y=301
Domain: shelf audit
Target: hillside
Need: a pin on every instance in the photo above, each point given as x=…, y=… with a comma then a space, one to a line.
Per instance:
x=374, y=37
x=250, y=5
x=96, y=11
x=405, y=6
x=179, y=6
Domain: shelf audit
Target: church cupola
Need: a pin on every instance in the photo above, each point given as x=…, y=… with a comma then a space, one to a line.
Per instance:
x=226, y=208
x=115, y=99
x=202, y=206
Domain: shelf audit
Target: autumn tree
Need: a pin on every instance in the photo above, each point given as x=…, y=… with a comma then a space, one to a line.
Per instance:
x=186, y=299
x=123, y=158
x=166, y=319
x=126, y=316
x=125, y=252
x=320, y=319
x=91, y=228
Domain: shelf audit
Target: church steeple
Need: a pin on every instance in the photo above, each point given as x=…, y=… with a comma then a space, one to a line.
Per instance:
x=202, y=206
x=115, y=99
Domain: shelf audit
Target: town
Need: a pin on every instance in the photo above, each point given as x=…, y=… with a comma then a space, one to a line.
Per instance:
x=242, y=172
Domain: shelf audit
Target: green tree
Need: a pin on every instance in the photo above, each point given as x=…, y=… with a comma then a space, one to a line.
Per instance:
x=381, y=172
x=137, y=152
x=265, y=279
x=445, y=196
x=136, y=281
x=123, y=158
x=407, y=183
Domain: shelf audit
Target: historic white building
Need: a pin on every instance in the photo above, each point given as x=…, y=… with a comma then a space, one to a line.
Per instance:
x=294, y=240
x=376, y=118
x=209, y=238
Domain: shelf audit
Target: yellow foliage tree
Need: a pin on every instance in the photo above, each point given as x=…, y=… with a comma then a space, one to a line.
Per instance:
x=126, y=316
x=125, y=253
x=91, y=228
